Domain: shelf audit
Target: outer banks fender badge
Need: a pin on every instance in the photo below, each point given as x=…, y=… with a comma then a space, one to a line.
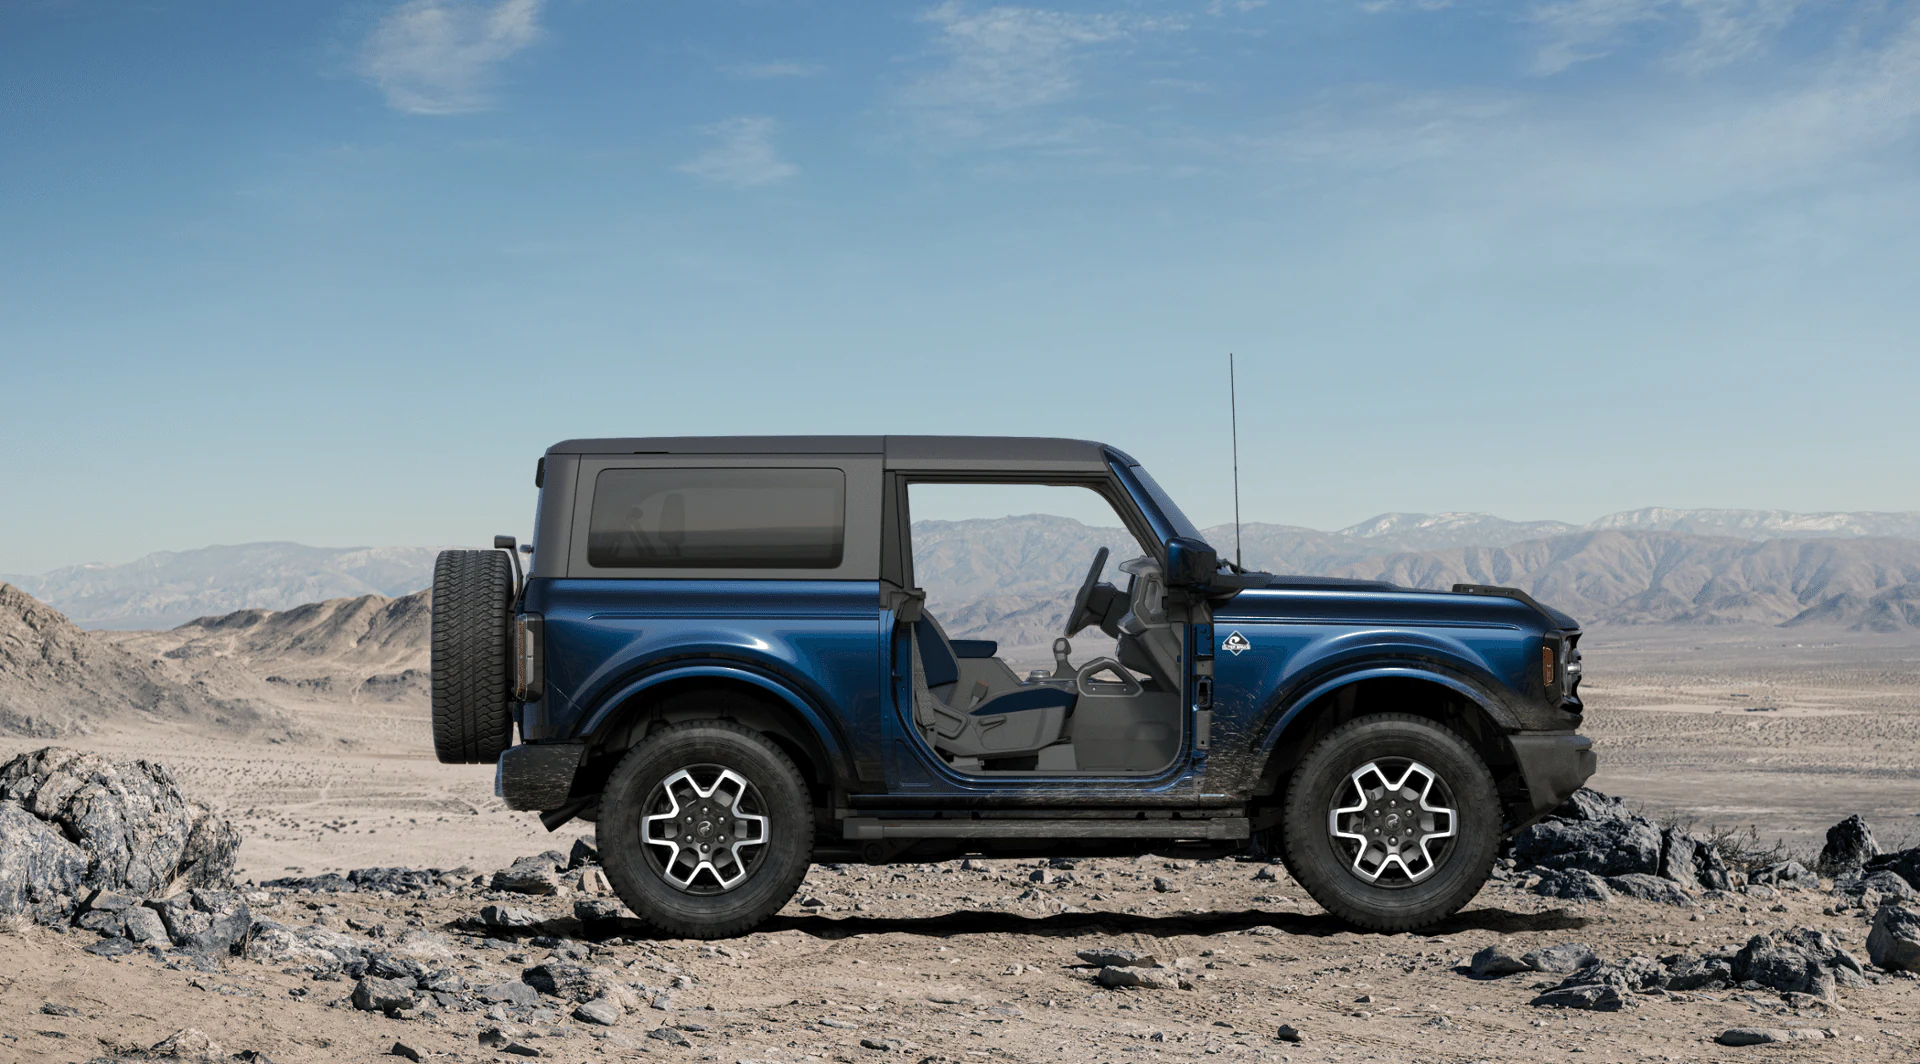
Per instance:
x=1236, y=644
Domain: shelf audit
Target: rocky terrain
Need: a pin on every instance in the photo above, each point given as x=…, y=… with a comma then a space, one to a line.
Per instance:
x=1669, y=955
x=58, y=680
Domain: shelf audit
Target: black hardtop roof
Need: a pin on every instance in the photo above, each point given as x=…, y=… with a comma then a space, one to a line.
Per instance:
x=912, y=450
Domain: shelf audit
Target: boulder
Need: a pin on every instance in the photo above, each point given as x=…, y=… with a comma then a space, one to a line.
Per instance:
x=569, y=982
x=1903, y=863
x=139, y=833
x=1870, y=888
x=1757, y=1036
x=510, y=992
x=394, y=880
x=599, y=1011
x=1496, y=961
x=1849, y=847
x=582, y=855
x=1117, y=957
x=373, y=994
x=1605, y=848
x=598, y=916
x=1559, y=960
x=186, y=1044
x=509, y=917
x=1894, y=942
x=1144, y=978
x=1687, y=972
x=1785, y=874
x=529, y=875
x=1797, y=960
x=1595, y=988
x=1575, y=885
x=204, y=921
x=40, y=871
x=1651, y=888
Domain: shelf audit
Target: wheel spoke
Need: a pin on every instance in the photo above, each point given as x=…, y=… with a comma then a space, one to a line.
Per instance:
x=705, y=838
x=1393, y=820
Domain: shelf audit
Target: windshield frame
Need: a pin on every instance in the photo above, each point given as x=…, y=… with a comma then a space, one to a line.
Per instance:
x=1165, y=515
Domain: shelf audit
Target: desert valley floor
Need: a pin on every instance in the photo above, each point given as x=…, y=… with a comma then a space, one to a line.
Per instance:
x=1789, y=730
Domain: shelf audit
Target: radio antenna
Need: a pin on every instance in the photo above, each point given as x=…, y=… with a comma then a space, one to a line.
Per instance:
x=1233, y=414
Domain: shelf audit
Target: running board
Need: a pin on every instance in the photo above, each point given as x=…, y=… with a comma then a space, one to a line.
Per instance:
x=870, y=829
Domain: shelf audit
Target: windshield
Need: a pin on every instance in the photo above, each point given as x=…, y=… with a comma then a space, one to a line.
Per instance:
x=1176, y=523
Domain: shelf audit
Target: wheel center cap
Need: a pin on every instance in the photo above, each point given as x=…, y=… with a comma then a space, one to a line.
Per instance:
x=1393, y=820
x=705, y=828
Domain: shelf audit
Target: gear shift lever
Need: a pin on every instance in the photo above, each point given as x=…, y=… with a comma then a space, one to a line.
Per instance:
x=1062, y=668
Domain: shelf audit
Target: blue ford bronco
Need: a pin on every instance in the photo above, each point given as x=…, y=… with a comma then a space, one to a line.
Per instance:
x=720, y=656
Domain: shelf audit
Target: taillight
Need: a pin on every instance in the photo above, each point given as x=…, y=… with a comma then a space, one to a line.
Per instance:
x=529, y=657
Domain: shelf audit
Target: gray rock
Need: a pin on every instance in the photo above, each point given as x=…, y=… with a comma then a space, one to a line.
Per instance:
x=1801, y=960
x=509, y=917
x=1496, y=961
x=401, y=1049
x=373, y=994
x=599, y=1011
x=597, y=915
x=1894, y=942
x=569, y=982
x=581, y=855
x=1607, y=995
x=1117, y=957
x=1163, y=885
x=1560, y=960
x=1594, y=833
x=1849, y=847
x=139, y=833
x=510, y=992
x=529, y=875
x=1784, y=874
x=111, y=947
x=1144, y=978
x=40, y=871
x=1575, y=885
x=1651, y=888
x=1686, y=972
x=186, y=1044
x=1902, y=863
x=1290, y=1033
x=1756, y=1036
x=669, y=1036
x=205, y=921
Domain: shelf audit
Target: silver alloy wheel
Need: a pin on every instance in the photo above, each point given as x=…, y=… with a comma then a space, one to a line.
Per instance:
x=1393, y=815
x=705, y=830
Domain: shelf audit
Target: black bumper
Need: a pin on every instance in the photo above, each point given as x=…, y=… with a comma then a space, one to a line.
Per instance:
x=537, y=775
x=1554, y=765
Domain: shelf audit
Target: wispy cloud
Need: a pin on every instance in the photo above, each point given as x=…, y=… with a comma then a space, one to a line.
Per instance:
x=776, y=68
x=443, y=56
x=1719, y=31
x=743, y=155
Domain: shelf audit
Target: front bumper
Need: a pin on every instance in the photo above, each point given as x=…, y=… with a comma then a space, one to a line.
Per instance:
x=1554, y=765
x=537, y=775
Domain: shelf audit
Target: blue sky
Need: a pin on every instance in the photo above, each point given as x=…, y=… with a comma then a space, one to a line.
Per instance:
x=338, y=272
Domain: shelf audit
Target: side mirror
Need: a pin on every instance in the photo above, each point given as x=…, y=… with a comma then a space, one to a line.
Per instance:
x=1190, y=562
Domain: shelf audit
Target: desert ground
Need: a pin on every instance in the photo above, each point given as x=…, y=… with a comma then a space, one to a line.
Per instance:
x=1786, y=730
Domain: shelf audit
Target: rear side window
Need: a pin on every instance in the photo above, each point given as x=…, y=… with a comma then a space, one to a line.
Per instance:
x=718, y=519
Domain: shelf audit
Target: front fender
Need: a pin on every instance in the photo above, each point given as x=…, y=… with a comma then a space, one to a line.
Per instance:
x=824, y=730
x=1288, y=706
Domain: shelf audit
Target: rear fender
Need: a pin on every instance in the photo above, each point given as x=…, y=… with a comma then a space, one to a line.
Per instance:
x=832, y=744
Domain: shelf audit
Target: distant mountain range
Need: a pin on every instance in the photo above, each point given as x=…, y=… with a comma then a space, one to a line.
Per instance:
x=1655, y=564
x=170, y=587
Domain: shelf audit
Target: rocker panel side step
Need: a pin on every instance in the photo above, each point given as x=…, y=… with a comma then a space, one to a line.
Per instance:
x=869, y=829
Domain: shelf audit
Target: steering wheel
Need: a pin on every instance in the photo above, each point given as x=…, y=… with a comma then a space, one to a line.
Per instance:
x=1078, y=617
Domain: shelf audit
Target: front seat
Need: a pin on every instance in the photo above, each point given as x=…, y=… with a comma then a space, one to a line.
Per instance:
x=969, y=704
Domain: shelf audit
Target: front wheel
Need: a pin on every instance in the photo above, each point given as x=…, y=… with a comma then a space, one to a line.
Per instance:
x=706, y=829
x=1392, y=822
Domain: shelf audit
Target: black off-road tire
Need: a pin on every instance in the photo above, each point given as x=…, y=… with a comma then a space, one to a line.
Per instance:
x=771, y=882
x=472, y=648
x=1320, y=863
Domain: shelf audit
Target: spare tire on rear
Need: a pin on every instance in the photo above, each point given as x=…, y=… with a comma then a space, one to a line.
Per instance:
x=472, y=656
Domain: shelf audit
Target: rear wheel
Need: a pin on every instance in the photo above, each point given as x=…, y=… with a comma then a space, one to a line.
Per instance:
x=706, y=829
x=472, y=656
x=1392, y=822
